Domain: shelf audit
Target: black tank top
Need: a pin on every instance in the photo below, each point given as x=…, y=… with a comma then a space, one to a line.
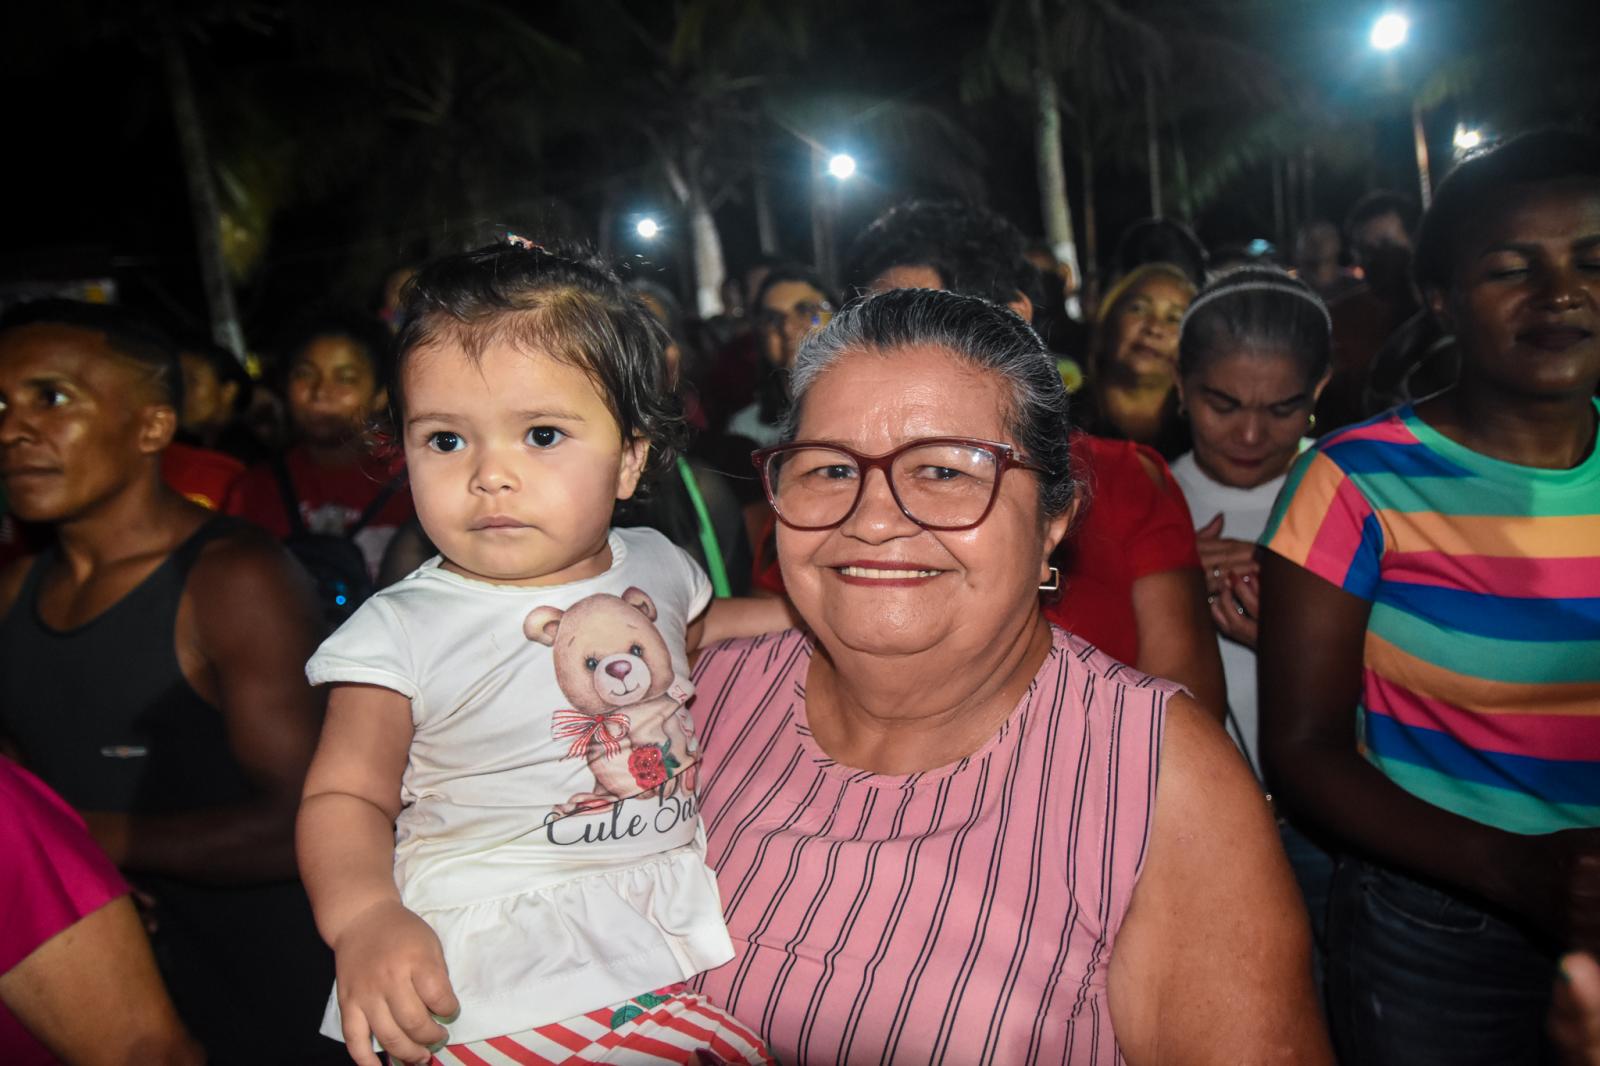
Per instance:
x=103, y=713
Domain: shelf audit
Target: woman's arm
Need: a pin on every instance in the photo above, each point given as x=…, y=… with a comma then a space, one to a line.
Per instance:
x=1309, y=667
x=390, y=968
x=1213, y=961
x=741, y=616
x=92, y=995
x=1176, y=639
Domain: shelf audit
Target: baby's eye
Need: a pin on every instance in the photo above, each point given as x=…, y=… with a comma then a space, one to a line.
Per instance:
x=445, y=441
x=544, y=436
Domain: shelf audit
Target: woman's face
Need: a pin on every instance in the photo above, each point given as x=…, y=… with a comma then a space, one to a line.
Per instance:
x=1247, y=412
x=1145, y=323
x=789, y=310
x=333, y=389
x=1524, y=298
x=881, y=584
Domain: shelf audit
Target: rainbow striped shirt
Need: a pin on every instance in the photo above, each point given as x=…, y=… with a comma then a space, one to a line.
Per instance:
x=1481, y=685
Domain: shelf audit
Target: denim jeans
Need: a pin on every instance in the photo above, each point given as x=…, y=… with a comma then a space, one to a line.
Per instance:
x=1418, y=977
x=1313, y=872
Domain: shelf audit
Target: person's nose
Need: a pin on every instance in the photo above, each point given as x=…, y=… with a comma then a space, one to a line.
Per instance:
x=877, y=517
x=15, y=426
x=1252, y=428
x=495, y=473
x=1561, y=287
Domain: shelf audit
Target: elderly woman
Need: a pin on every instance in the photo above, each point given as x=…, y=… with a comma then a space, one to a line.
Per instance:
x=944, y=830
x=1430, y=635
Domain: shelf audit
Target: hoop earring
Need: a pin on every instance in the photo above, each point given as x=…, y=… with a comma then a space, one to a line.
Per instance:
x=1055, y=581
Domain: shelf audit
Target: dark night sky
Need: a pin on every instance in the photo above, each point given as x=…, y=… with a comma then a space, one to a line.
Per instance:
x=96, y=182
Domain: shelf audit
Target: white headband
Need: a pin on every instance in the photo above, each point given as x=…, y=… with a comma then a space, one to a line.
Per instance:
x=1258, y=286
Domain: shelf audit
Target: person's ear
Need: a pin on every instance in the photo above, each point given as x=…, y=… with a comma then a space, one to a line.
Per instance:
x=1023, y=307
x=634, y=455
x=380, y=402
x=157, y=424
x=1056, y=529
x=1183, y=401
x=1316, y=390
x=228, y=391
x=1439, y=307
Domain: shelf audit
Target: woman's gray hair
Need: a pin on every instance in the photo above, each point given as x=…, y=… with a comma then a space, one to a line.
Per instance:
x=981, y=333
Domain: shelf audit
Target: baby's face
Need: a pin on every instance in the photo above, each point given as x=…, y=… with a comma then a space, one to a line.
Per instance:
x=515, y=462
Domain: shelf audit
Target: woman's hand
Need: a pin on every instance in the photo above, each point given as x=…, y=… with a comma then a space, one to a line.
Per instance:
x=1553, y=880
x=1575, y=1012
x=1221, y=556
x=392, y=983
x=1235, y=607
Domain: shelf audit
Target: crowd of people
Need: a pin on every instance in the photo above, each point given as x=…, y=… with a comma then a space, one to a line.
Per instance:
x=910, y=671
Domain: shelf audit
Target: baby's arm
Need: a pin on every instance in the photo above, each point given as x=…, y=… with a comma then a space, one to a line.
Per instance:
x=391, y=970
x=742, y=616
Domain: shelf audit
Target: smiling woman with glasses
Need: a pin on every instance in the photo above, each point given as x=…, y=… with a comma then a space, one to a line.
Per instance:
x=932, y=788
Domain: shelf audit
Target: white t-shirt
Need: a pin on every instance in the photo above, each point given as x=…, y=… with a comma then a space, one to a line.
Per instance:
x=549, y=831
x=1244, y=517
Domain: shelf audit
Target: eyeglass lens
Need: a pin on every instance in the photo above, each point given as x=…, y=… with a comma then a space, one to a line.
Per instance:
x=937, y=484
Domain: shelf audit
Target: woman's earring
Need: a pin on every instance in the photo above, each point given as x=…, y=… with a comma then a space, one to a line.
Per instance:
x=1311, y=422
x=1055, y=581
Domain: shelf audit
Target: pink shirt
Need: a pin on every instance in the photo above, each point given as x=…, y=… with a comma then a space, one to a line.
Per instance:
x=959, y=915
x=51, y=875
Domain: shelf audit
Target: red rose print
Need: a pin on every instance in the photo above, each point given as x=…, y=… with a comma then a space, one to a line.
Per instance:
x=646, y=767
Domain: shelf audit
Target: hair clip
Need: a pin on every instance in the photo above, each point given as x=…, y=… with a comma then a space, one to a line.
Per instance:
x=518, y=241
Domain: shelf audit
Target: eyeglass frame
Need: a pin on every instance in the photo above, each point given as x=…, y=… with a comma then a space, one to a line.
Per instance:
x=1005, y=456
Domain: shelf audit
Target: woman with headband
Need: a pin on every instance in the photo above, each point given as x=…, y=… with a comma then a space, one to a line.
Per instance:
x=1253, y=355
x=1430, y=636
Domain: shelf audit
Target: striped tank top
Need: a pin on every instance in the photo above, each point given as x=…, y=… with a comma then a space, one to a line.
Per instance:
x=960, y=915
x=1481, y=677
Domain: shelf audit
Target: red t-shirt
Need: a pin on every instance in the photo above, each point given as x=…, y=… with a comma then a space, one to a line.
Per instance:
x=331, y=499
x=204, y=476
x=1130, y=529
x=51, y=875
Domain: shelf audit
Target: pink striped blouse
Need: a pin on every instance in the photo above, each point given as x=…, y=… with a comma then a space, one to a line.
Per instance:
x=959, y=915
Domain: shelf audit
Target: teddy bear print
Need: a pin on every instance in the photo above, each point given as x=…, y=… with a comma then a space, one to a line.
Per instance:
x=627, y=718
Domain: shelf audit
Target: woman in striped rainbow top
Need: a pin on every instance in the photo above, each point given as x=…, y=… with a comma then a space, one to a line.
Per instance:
x=1430, y=635
x=943, y=830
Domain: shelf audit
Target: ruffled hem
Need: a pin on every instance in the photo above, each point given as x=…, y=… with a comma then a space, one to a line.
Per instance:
x=544, y=956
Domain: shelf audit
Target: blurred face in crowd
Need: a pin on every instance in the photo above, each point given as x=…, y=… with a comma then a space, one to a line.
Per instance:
x=333, y=389
x=789, y=310
x=1524, y=297
x=207, y=399
x=1247, y=412
x=879, y=582
x=1145, y=323
x=78, y=420
x=515, y=463
x=1380, y=238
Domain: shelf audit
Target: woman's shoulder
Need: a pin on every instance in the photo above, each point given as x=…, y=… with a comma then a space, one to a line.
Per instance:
x=751, y=659
x=1070, y=653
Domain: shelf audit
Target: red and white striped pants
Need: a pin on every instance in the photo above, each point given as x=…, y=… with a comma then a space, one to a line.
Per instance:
x=671, y=1025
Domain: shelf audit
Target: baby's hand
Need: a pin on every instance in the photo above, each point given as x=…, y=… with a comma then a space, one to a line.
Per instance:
x=392, y=980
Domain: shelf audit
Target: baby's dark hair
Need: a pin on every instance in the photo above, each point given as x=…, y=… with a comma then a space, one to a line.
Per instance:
x=562, y=302
x=1261, y=309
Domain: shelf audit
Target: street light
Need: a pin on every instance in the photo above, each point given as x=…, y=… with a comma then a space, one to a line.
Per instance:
x=1467, y=140
x=1389, y=32
x=842, y=166
x=647, y=228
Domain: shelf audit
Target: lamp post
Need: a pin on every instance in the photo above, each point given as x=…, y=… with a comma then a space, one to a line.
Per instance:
x=840, y=167
x=1389, y=32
